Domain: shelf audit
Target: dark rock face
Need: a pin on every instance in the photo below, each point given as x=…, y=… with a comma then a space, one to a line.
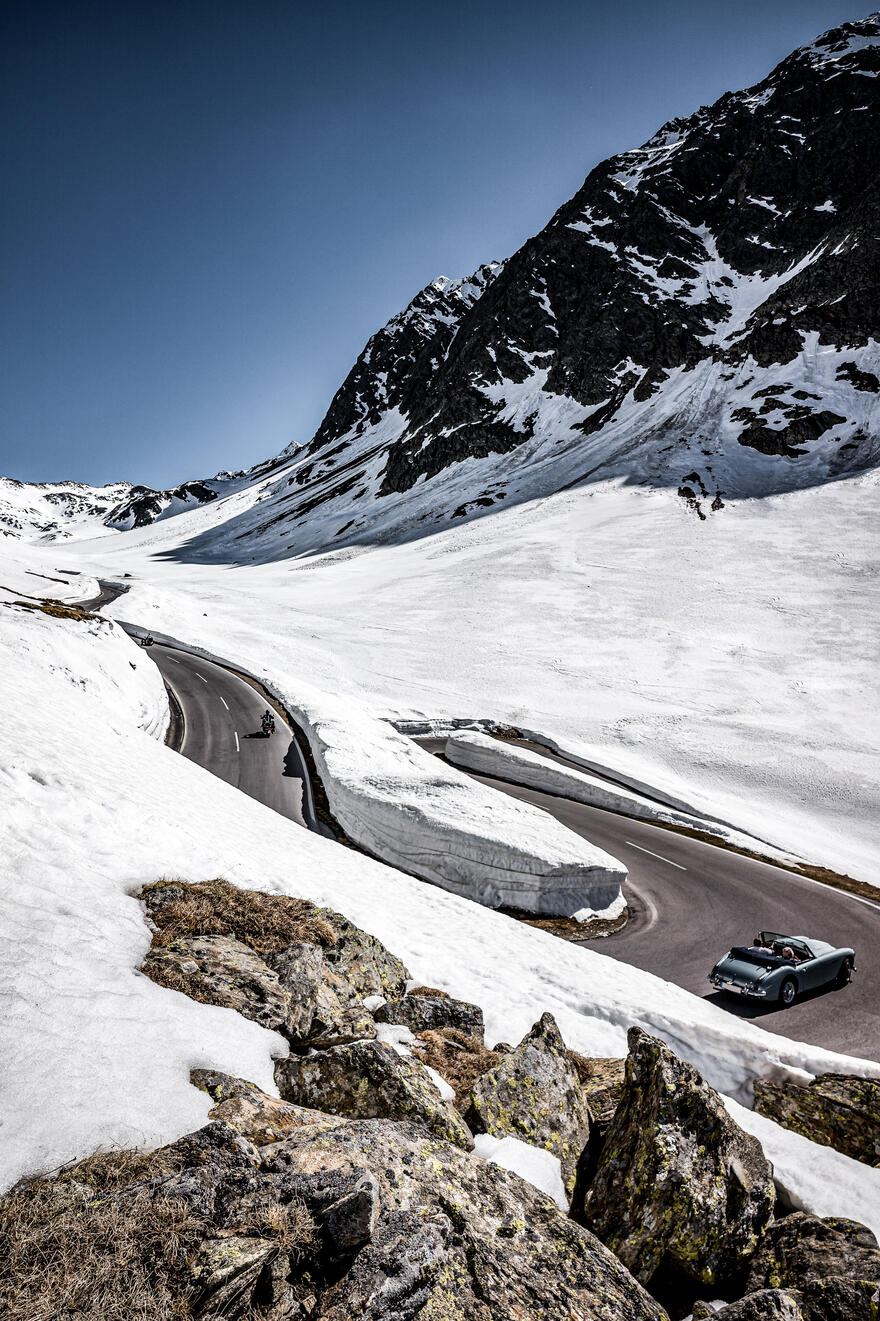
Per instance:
x=802, y=1250
x=726, y=255
x=680, y=1189
x=835, y=1109
x=422, y=1013
x=143, y=505
x=534, y=1094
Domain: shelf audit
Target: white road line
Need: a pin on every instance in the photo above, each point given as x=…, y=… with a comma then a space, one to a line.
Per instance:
x=173, y=661
x=223, y=700
x=237, y=745
x=202, y=677
x=655, y=855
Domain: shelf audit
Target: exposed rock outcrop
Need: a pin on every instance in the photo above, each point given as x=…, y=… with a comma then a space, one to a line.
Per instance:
x=534, y=1094
x=765, y=1305
x=679, y=1188
x=369, y=1079
x=423, y=1013
x=836, y=1109
x=803, y=1250
x=459, y=1238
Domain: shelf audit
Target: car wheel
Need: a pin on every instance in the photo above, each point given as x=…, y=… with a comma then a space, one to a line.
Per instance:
x=788, y=991
x=846, y=972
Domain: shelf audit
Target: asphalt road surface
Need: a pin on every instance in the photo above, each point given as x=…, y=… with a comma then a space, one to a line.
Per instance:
x=221, y=714
x=691, y=901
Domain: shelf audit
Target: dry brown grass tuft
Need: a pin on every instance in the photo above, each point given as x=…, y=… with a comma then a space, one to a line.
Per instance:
x=265, y=922
x=170, y=976
x=69, y=1248
x=457, y=1057
x=429, y=990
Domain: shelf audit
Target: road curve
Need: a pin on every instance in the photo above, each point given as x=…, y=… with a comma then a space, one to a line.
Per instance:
x=221, y=715
x=691, y=901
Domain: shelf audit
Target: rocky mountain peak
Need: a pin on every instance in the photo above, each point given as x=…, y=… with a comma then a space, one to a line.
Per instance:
x=702, y=314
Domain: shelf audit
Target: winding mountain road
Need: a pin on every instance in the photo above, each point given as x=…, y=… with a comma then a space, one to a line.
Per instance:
x=689, y=901
x=221, y=731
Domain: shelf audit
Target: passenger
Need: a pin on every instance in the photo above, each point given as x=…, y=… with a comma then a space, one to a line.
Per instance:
x=788, y=953
x=758, y=942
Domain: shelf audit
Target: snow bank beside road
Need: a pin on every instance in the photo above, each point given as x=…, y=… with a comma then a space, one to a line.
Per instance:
x=508, y=761
x=396, y=800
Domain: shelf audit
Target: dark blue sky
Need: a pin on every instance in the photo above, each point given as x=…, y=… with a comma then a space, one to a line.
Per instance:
x=209, y=205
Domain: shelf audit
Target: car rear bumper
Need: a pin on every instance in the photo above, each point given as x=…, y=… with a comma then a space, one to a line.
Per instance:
x=723, y=984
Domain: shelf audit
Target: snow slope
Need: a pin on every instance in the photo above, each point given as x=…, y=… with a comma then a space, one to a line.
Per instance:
x=730, y=664
x=96, y=1054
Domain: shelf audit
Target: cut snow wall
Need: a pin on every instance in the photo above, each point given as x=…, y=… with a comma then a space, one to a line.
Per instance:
x=397, y=801
x=508, y=761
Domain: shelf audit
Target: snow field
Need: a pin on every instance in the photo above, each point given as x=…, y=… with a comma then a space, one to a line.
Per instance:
x=94, y=807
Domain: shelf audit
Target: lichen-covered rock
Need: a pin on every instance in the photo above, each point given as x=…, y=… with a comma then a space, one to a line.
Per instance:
x=368, y=1079
x=339, y=1015
x=678, y=1183
x=425, y=1013
x=220, y=970
x=534, y=1094
x=835, y=1109
x=601, y=1083
x=765, y=1305
x=225, y=1271
x=837, y=1299
x=801, y=1248
x=362, y=960
x=298, y=969
x=458, y=1238
x=216, y=1146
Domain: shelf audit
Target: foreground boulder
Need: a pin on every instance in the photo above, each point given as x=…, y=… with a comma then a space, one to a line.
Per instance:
x=220, y=970
x=253, y=1113
x=459, y=1238
x=679, y=1186
x=422, y=1012
x=802, y=1251
x=368, y=1079
x=533, y=1094
x=362, y=960
x=836, y=1109
x=766, y=1305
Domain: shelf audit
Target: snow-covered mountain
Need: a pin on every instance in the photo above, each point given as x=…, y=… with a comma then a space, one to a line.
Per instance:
x=54, y=511
x=703, y=314
x=57, y=510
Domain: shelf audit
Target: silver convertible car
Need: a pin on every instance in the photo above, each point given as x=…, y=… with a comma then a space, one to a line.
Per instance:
x=780, y=967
